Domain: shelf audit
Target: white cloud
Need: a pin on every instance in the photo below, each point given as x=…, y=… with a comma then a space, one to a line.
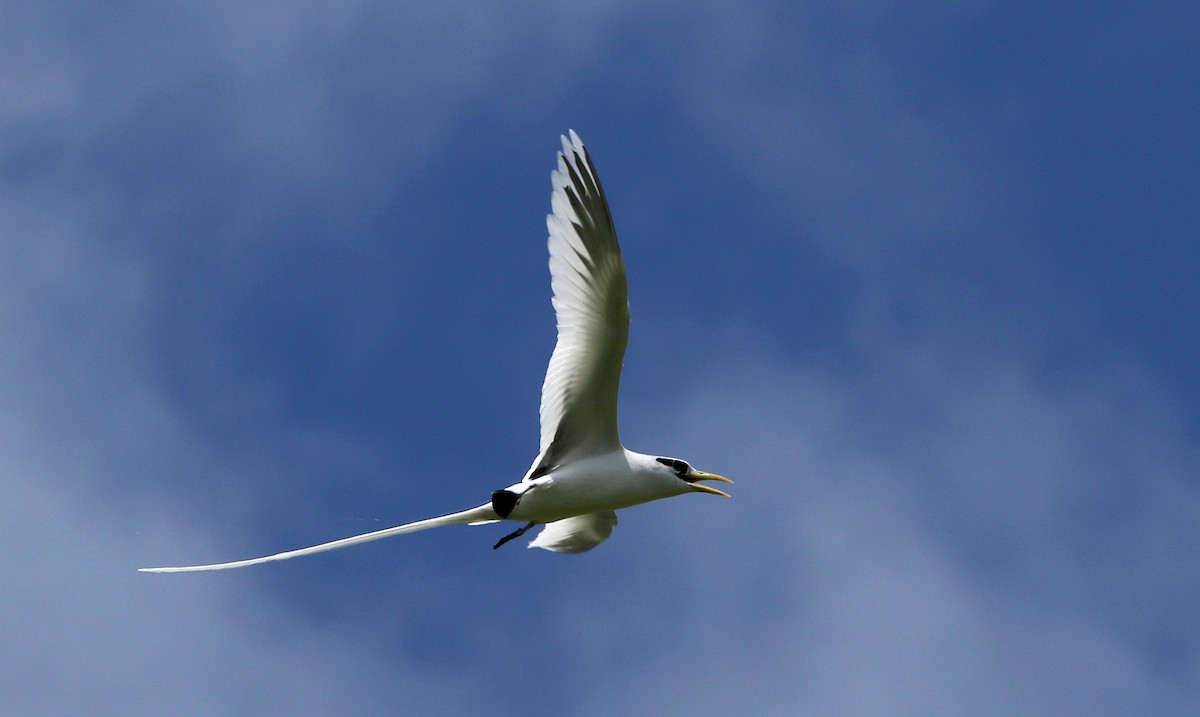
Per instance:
x=111, y=135
x=86, y=634
x=88, y=432
x=941, y=534
x=933, y=531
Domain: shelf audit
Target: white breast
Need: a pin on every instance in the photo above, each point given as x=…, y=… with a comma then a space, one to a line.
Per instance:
x=609, y=481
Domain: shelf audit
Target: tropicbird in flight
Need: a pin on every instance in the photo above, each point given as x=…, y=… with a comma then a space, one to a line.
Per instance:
x=582, y=474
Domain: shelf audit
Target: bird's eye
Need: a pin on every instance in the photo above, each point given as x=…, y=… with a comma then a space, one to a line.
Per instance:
x=681, y=468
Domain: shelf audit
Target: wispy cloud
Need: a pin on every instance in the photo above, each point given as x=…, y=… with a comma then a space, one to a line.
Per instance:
x=966, y=511
x=943, y=533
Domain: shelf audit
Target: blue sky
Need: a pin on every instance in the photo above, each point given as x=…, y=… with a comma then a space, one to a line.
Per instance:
x=921, y=278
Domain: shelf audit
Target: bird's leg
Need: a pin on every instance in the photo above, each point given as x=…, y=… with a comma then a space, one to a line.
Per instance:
x=515, y=534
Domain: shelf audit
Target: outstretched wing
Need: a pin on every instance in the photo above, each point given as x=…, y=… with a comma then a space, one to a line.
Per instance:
x=578, y=534
x=591, y=303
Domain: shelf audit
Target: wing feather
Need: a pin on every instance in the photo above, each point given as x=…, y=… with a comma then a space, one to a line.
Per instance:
x=578, y=534
x=591, y=304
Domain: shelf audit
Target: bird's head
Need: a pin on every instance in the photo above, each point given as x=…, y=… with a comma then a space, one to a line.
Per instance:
x=690, y=476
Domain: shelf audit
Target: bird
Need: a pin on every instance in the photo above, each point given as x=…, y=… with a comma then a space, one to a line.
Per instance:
x=582, y=474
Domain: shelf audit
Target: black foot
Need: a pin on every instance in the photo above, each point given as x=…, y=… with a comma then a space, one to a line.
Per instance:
x=514, y=534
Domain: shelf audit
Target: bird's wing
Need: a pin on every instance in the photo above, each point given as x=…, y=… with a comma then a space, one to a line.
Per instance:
x=591, y=303
x=577, y=534
x=480, y=515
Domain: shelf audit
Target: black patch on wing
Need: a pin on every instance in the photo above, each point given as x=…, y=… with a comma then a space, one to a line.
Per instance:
x=503, y=502
x=549, y=459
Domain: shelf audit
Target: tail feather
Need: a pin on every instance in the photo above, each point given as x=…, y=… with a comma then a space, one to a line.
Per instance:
x=481, y=513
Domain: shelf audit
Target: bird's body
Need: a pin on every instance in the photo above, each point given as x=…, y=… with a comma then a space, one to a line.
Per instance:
x=607, y=481
x=582, y=474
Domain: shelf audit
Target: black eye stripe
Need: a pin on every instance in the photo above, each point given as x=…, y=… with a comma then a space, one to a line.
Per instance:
x=680, y=467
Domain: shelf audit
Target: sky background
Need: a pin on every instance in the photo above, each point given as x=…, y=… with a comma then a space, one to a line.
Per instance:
x=922, y=278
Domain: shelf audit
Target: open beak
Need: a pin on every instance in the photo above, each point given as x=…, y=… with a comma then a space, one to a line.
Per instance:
x=701, y=475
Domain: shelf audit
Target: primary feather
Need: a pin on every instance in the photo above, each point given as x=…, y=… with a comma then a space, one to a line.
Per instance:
x=591, y=304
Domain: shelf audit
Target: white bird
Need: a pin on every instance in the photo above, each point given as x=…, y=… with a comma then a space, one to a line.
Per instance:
x=582, y=474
